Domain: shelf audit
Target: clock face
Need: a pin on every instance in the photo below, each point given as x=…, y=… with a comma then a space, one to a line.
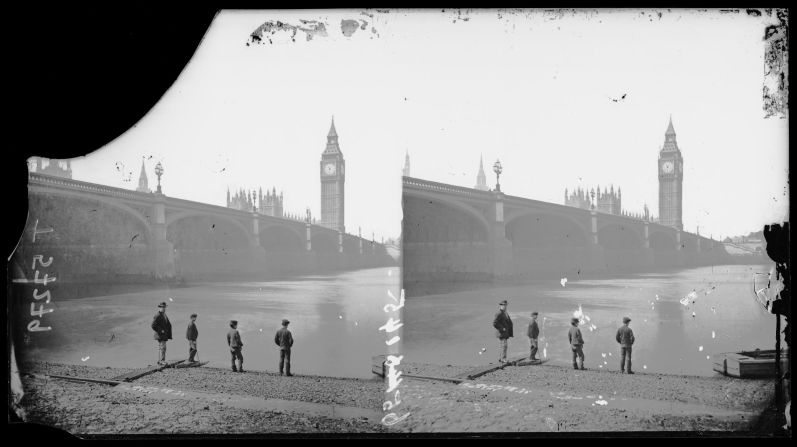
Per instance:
x=667, y=167
x=329, y=169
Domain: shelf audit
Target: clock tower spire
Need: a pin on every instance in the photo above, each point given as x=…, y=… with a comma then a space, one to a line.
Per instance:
x=333, y=177
x=671, y=176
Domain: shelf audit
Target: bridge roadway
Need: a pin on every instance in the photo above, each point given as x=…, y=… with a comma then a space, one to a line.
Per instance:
x=102, y=232
x=452, y=232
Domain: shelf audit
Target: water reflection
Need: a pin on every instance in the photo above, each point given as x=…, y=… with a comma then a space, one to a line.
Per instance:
x=453, y=328
x=334, y=321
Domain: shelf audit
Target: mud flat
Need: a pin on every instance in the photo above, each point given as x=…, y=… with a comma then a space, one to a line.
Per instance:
x=199, y=400
x=555, y=397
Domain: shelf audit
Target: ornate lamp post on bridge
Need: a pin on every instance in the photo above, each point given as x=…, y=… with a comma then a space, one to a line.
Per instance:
x=497, y=169
x=159, y=173
x=592, y=199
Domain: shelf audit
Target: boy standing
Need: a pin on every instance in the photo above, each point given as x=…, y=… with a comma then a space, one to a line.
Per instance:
x=191, y=333
x=625, y=336
x=533, y=333
x=576, y=343
x=284, y=340
x=235, y=343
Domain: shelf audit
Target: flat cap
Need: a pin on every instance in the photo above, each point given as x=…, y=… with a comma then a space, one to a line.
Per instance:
x=233, y=322
x=193, y=315
x=503, y=302
x=162, y=304
x=535, y=313
x=626, y=319
x=574, y=320
x=285, y=322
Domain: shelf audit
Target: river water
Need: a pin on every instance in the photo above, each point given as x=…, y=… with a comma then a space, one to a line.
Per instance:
x=334, y=320
x=671, y=337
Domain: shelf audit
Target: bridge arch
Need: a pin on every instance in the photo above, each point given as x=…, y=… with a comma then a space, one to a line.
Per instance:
x=276, y=237
x=107, y=201
x=661, y=240
x=350, y=245
x=207, y=231
x=688, y=243
x=541, y=229
x=618, y=236
x=463, y=223
x=323, y=242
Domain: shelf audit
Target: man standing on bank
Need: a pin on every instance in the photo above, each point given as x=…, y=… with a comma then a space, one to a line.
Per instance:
x=234, y=341
x=625, y=336
x=533, y=333
x=163, y=331
x=576, y=343
x=503, y=330
x=284, y=340
x=191, y=333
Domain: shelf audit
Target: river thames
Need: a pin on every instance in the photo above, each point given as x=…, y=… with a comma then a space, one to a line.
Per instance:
x=334, y=320
x=720, y=315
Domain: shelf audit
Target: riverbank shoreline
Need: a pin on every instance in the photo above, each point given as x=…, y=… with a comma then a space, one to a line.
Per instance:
x=439, y=284
x=556, y=398
x=198, y=400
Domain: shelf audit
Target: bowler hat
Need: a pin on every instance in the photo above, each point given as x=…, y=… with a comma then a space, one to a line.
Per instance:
x=535, y=313
x=285, y=322
x=193, y=315
x=233, y=322
x=503, y=302
x=626, y=319
x=162, y=304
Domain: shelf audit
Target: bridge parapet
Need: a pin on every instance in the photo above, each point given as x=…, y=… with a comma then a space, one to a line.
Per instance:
x=429, y=185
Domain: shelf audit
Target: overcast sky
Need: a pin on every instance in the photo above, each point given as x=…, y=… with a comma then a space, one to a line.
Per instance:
x=535, y=90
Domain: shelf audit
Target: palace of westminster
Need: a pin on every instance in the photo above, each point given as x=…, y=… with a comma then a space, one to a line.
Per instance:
x=670, y=170
x=332, y=175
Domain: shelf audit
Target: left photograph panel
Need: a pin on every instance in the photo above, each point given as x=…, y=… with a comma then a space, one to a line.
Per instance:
x=222, y=266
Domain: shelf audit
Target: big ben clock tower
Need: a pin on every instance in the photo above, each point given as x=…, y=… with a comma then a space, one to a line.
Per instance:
x=333, y=176
x=671, y=177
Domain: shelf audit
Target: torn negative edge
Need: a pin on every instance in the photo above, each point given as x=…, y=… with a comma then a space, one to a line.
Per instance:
x=776, y=66
x=17, y=391
x=267, y=32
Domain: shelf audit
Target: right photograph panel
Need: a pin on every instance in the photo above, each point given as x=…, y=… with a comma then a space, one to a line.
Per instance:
x=584, y=240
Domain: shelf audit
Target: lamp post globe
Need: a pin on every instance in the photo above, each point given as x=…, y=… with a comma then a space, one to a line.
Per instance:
x=159, y=173
x=497, y=169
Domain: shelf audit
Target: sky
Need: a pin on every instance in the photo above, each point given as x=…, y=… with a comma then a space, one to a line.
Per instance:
x=568, y=99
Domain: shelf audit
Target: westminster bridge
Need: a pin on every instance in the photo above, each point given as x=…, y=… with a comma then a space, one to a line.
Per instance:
x=103, y=233
x=452, y=232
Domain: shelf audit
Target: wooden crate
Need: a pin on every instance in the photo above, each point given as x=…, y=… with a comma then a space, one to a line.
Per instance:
x=750, y=364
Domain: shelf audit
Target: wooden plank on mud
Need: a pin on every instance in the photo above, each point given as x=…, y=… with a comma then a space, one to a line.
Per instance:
x=442, y=379
x=85, y=379
x=482, y=370
x=190, y=364
x=131, y=376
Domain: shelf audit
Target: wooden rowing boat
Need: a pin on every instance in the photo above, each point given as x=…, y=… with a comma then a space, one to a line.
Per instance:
x=750, y=364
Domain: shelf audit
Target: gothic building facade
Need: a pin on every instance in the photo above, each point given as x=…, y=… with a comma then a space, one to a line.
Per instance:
x=46, y=166
x=481, y=179
x=333, y=178
x=671, y=177
x=607, y=201
x=269, y=203
x=143, y=181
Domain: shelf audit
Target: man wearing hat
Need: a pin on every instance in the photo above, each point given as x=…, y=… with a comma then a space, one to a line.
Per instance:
x=533, y=333
x=625, y=336
x=191, y=333
x=234, y=341
x=163, y=331
x=503, y=330
x=284, y=340
x=576, y=343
